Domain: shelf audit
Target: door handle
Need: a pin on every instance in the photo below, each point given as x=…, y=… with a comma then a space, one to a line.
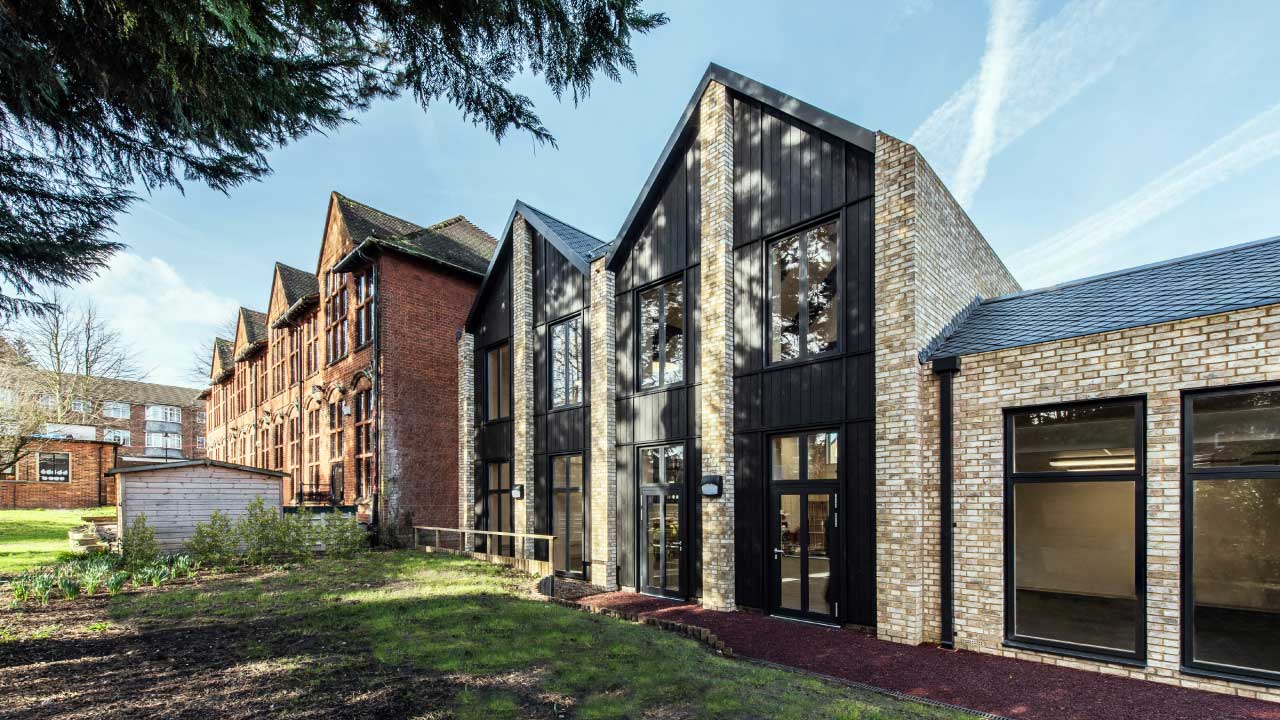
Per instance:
x=778, y=553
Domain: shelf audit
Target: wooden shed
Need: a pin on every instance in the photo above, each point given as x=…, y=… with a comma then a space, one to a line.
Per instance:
x=176, y=496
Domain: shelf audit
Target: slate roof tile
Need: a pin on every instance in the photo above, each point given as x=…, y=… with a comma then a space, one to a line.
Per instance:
x=1232, y=278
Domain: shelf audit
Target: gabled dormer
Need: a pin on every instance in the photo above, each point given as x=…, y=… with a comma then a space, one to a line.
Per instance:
x=251, y=334
x=293, y=293
x=222, y=366
x=350, y=223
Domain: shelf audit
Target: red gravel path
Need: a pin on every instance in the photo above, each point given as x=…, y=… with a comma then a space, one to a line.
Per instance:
x=1004, y=686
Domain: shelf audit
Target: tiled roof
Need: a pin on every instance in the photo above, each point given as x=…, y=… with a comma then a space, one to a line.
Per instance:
x=455, y=242
x=297, y=284
x=587, y=247
x=255, y=326
x=225, y=350
x=1232, y=278
x=130, y=391
x=364, y=222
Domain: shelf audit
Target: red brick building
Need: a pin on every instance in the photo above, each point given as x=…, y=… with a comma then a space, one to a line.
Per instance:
x=348, y=381
x=61, y=474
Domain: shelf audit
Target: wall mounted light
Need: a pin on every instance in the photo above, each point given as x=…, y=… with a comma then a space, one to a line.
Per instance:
x=712, y=485
x=517, y=492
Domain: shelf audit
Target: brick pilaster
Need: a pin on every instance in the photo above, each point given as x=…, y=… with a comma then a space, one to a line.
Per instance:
x=715, y=136
x=603, y=476
x=466, y=431
x=522, y=471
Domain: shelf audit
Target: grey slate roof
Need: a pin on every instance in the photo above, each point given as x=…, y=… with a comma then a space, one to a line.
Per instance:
x=1233, y=278
x=113, y=389
x=588, y=247
x=365, y=222
x=297, y=284
x=255, y=326
x=225, y=350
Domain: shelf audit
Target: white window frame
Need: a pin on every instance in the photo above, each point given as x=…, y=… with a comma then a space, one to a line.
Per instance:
x=114, y=409
x=48, y=402
x=200, y=444
x=81, y=405
x=164, y=413
x=116, y=435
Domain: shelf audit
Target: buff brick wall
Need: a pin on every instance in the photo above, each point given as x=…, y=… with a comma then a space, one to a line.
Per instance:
x=603, y=475
x=466, y=430
x=930, y=262
x=1158, y=362
x=715, y=135
x=525, y=517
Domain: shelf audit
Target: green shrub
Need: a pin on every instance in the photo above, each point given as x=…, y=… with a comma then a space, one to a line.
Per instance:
x=270, y=536
x=92, y=579
x=215, y=543
x=21, y=588
x=139, y=546
x=42, y=585
x=69, y=586
x=115, y=583
x=182, y=565
x=340, y=535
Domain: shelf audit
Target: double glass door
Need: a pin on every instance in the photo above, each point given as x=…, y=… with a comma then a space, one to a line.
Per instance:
x=804, y=534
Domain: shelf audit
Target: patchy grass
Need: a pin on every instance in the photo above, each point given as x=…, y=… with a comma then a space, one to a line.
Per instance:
x=29, y=538
x=501, y=652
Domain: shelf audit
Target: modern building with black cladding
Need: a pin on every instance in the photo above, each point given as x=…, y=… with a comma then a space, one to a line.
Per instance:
x=799, y=381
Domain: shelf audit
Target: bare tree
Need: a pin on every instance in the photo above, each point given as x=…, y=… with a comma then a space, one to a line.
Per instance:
x=200, y=366
x=59, y=368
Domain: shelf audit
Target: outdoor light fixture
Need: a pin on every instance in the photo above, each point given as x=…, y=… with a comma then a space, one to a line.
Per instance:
x=712, y=485
x=517, y=492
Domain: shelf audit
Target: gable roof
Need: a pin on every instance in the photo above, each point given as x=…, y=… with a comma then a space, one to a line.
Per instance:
x=1232, y=278
x=223, y=354
x=301, y=290
x=578, y=247
x=761, y=93
x=456, y=243
x=364, y=222
x=255, y=332
x=297, y=284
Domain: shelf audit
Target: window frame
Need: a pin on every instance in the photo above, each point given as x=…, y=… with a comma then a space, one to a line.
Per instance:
x=505, y=545
x=124, y=436
x=585, y=524
x=836, y=219
x=638, y=354
x=488, y=415
x=364, y=441
x=336, y=321
x=551, y=371
x=364, y=307
x=40, y=477
x=1186, y=566
x=1138, y=476
x=110, y=406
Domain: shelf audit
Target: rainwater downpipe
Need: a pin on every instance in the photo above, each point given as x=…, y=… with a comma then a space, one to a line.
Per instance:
x=946, y=369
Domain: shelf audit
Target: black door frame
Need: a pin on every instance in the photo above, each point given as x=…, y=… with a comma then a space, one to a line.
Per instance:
x=679, y=487
x=803, y=489
x=552, y=489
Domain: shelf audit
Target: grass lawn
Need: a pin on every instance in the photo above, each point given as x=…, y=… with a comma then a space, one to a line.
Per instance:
x=35, y=537
x=394, y=634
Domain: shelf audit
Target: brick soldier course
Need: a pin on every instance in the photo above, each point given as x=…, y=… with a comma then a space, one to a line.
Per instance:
x=924, y=307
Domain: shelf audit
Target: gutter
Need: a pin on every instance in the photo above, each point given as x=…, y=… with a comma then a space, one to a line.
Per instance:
x=946, y=369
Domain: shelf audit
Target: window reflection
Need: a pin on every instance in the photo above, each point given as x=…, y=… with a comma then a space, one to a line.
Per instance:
x=804, y=313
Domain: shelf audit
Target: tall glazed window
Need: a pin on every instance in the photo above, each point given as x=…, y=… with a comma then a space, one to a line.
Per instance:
x=662, y=340
x=566, y=362
x=1075, y=528
x=804, y=308
x=1231, y=532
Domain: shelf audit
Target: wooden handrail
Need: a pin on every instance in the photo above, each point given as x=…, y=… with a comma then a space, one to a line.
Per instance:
x=497, y=533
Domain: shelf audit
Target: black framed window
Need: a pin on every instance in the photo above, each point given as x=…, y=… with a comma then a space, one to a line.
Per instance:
x=497, y=380
x=1231, y=532
x=662, y=342
x=804, y=299
x=1075, y=528
x=566, y=362
x=54, y=467
x=498, y=511
x=567, y=516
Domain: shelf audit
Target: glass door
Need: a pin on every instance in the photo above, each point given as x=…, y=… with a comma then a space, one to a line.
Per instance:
x=567, y=518
x=662, y=520
x=804, y=534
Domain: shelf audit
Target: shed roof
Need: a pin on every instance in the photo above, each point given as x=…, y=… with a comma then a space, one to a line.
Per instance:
x=122, y=469
x=1232, y=278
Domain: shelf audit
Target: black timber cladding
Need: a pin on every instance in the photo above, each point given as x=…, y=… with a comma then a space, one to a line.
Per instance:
x=789, y=175
x=1232, y=278
x=667, y=245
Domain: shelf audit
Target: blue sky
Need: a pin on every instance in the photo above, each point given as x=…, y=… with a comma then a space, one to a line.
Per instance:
x=1081, y=136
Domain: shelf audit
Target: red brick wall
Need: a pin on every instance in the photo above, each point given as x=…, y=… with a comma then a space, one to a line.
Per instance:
x=87, y=488
x=421, y=308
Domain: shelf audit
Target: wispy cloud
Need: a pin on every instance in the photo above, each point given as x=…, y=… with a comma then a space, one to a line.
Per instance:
x=161, y=314
x=1020, y=85
x=1073, y=251
x=1008, y=19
